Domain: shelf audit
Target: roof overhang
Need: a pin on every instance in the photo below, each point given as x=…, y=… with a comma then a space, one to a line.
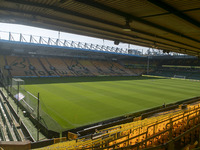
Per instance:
x=167, y=25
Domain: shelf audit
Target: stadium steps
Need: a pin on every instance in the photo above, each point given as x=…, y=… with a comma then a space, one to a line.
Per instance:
x=38, y=67
x=31, y=65
x=2, y=136
x=11, y=123
x=77, y=68
x=59, y=65
x=43, y=66
x=99, y=70
x=48, y=62
x=7, y=125
x=69, y=68
x=85, y=64
x=13, y=129
x=86, y=70
x=118, y=69
x=4, y=61
x=45, y=63
x=16, y=131
x=88, y=64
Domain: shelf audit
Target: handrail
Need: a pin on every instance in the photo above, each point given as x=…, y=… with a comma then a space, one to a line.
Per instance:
x=34, y=39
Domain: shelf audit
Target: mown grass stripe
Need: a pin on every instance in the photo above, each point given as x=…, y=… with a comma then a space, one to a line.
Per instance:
x=73, y=102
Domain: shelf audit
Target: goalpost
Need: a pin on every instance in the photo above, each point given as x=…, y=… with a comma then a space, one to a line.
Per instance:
x=179, y=77
x=17, y=85
x=23, y=97
x=31, y=103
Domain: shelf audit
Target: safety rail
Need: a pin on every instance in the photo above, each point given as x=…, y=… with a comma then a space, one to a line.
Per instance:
x=24, y=38
x=7, y=114
x=9, y=133
x=6, y=126
x=10, y=127
x=2, y=116
x=17, y=134
x=2, y=136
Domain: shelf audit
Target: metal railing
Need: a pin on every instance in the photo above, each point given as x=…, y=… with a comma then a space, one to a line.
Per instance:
x=25, y=38
x=34, y=39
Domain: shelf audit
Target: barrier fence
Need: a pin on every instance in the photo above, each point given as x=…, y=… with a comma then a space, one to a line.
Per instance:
x=29, y=104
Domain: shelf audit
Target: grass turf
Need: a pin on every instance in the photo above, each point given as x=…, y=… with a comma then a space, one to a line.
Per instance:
x=75, y=102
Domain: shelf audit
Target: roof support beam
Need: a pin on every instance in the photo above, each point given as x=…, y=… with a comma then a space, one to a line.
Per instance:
x=177, y=13
x=126, y=15
x=167, y=13
x=129, y=37
x=98, y=20
x=55, y=8
x=132, y=39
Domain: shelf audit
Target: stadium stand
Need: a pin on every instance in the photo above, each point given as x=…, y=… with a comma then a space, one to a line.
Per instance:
x=2, y=62
x=60, y=67
x=120, y=69
x=138, y=67
x=4, y=67
x=162, y=130
x=47, y=66
x=170, y=30
x=89, y=66
x=38, y=68
x=76, y=68
x=56, y=66
x=103, y=67
x=19, y=66
x=189, y=68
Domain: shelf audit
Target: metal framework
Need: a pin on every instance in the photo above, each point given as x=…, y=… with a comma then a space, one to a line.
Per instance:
x=19, y=37
x=170, y=25
x=33, y=39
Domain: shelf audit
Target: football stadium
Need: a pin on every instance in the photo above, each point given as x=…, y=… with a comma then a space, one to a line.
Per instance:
x=60, y=94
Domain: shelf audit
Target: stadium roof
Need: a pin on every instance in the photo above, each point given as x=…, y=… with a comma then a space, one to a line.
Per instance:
x=170, y=25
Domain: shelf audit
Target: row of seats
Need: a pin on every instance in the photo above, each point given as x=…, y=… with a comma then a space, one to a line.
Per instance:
x=8, y=129
x=170, y=72
x=146, y=133
x=180, y=62
x=57, y=66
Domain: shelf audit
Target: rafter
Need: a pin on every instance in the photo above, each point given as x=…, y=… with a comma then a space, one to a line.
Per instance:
x=102, y=30
x=55, y=8
x=177, y=13
x=126, y=15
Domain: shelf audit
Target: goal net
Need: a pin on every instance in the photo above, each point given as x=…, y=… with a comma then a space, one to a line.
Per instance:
x=29, y=102
x=179, y=77
x=17, y=85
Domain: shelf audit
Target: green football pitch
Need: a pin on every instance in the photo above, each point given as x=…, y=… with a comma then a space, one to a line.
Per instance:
x=78, y=101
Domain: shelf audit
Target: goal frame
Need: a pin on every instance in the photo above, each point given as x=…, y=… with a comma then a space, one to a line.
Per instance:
x=179, y=77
